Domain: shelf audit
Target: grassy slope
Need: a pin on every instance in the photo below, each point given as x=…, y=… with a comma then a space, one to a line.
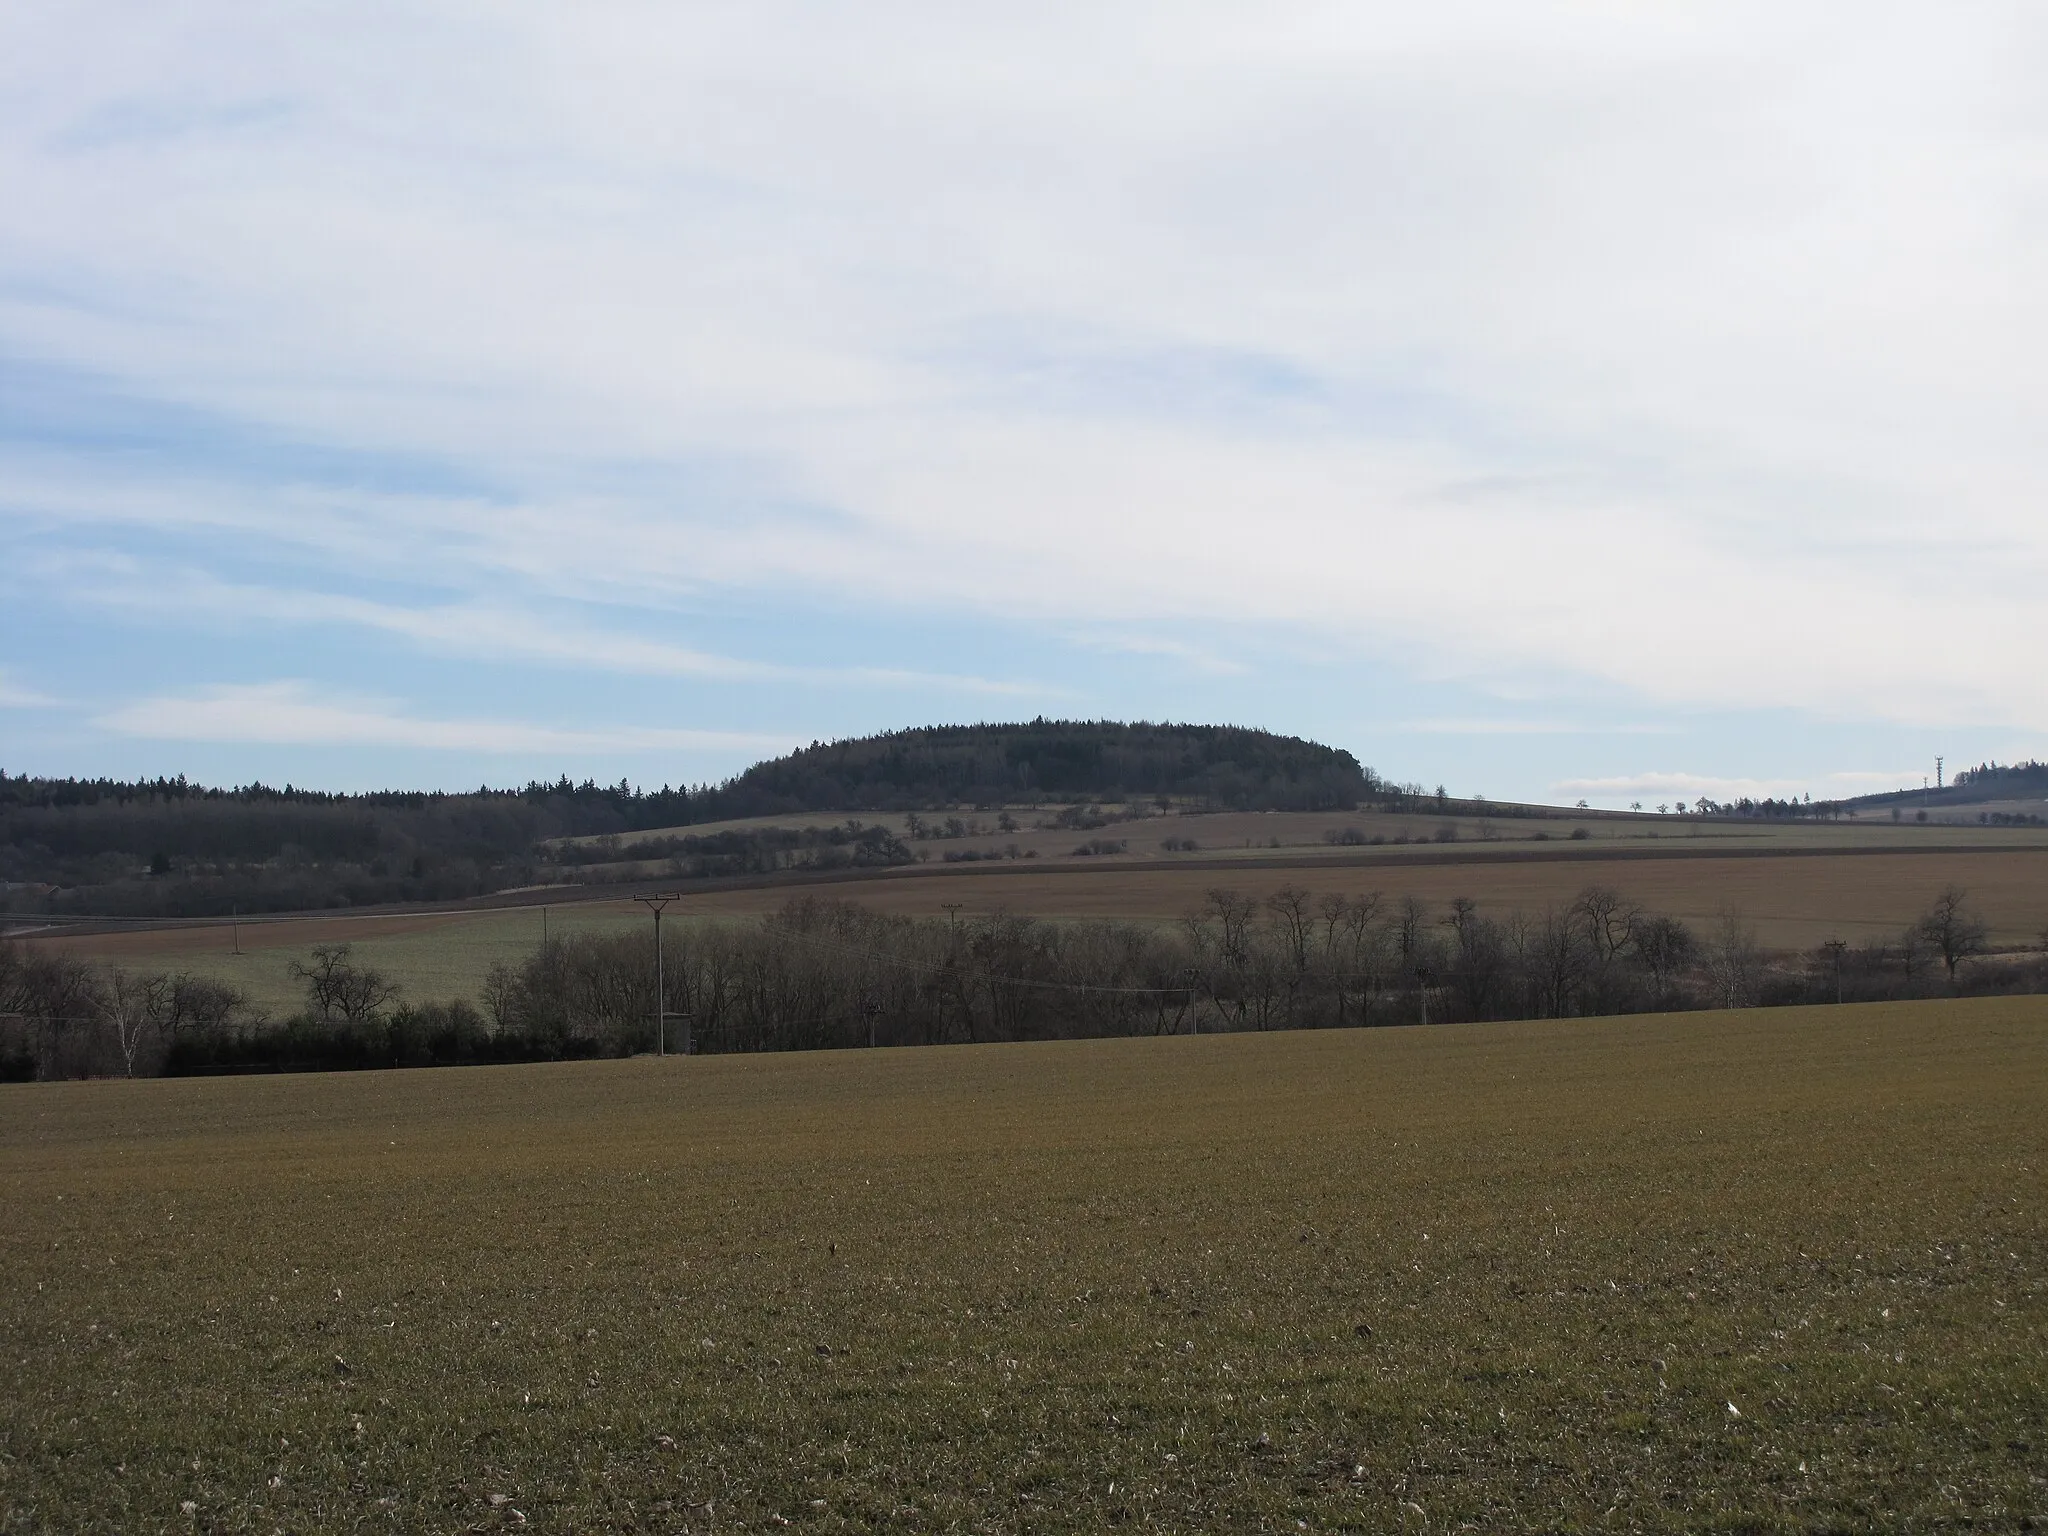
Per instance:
x=1507, y=1275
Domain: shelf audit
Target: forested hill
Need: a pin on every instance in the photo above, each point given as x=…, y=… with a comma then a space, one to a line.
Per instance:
x=1222, y=765
x=1970, y=786
x=168, y=847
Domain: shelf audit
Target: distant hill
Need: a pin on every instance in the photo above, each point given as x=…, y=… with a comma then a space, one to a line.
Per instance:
x=1971, y=786
x=166, y=847
x=2002, y=781
x=1220, y=765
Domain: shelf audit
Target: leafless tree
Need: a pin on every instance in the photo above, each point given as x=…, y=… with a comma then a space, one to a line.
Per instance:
x=1353, y=952
x=1912, y=952
x=1409, y=919
x=1735, y=960
x=129, y=1007
x=1233, y=915
x=1291, y=913
x=1665, y=947
x=501, y=995
x=54, y=1005
x=341, y=989
x=1952, y=929
x=185, y=1004
x=1610, y=922
x=1556, y=945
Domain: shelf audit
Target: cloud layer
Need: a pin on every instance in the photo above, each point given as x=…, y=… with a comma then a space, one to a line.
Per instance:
x=295, y=714
x=1658, y=360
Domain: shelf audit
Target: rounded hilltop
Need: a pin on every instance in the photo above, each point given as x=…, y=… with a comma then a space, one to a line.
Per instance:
x=1226, y=766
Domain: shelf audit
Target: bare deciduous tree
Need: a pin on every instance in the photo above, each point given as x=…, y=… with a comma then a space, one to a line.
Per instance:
x=341, y=989
x=129, y=1006
x=1290, y=908
x=1665, y=946
x=1610, y=922
x=1952, y=930
x=1233, y=915
x=1735, y=961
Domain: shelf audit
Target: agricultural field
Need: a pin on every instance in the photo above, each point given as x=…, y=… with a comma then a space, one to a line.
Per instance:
x=1796, y=884
x=1792, y=901
x=1315, y=835
x=432, y=955
x=1762, y=1271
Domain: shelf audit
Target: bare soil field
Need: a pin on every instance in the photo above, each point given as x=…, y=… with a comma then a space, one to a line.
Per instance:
x=1756, y=1272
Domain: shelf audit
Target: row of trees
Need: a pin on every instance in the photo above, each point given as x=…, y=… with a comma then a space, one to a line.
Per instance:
x=852, y=844
x=62, y=1017
x=820, y=973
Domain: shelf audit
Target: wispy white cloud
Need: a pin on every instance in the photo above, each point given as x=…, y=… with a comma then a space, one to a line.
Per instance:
x=476, y=629
x=1514, y=726
x=14, y=695
x=1697, y=366
x=296, y=713
x=1200, y=658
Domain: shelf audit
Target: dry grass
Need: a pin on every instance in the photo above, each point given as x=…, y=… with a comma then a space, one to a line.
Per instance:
x=1500, y=1277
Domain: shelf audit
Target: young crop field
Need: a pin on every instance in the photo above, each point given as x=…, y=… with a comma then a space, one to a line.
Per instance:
x=1762, y=1271
x=431, y=955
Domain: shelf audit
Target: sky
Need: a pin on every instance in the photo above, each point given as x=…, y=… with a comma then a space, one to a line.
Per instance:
x=1619, y=401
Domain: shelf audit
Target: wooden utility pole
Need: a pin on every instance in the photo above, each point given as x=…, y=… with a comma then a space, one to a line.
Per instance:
x=654, y=904
x=1835, y=950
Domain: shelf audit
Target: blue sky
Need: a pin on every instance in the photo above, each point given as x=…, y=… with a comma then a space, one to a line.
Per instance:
x=1627, y=402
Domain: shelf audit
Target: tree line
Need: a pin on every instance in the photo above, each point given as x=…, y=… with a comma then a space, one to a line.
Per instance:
x=1219, y=766
x=821, y=974
x=168, y=848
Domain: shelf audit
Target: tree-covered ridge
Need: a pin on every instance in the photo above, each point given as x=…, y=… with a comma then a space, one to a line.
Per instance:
x=167, y=847
x=1228, y=767
x=2005, y=778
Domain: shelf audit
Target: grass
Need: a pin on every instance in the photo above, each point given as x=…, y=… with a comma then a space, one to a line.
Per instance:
x=1501, y=1277
x=432, y=956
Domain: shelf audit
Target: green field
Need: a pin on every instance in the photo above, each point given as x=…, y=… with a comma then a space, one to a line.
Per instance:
x=431, y=956
x=1746, y=1272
